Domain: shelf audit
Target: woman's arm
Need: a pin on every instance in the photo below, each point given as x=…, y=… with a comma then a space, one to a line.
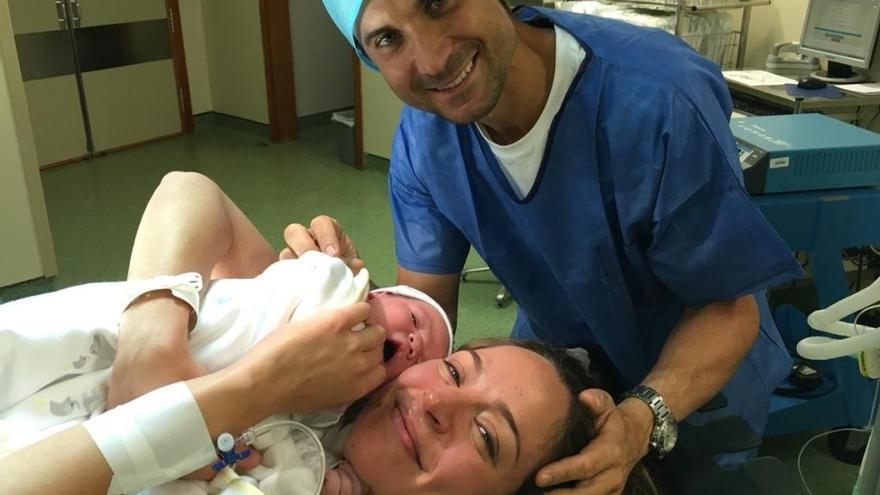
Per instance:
x=308, y=366
x=70, y=461
x=76, y=466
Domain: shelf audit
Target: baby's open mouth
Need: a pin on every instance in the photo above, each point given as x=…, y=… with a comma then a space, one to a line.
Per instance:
x=388, y=351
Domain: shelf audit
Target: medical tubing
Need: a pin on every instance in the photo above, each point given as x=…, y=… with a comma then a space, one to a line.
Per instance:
x=860, y=329
x=821, y=348
x=845, y=329
x=868, y=428
x=822, y=318
x=807, y=443
x=869, y=472
x=158, y=437
x=873, y=416
x=877, y=387
x=251, y=434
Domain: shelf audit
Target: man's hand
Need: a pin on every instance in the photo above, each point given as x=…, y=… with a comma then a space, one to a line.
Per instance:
x=323, y=234
x=603, y=467
x=315, y=364
x=152, y=349
x=342, y=480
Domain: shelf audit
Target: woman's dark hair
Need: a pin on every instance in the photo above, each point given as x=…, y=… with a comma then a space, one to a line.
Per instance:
x=578, y=427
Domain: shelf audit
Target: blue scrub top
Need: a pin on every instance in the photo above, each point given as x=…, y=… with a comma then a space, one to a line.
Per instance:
x=637, y=212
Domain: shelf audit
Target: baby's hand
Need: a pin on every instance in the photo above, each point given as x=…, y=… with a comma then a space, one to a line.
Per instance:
x=342, y=480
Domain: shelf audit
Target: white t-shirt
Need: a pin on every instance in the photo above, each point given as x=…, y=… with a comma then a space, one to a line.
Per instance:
x=521, y=161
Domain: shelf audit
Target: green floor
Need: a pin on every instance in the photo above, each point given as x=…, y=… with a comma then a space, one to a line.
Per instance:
x=94, y=207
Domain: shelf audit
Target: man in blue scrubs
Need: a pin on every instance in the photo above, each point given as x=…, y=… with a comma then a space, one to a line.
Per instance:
x=591, y=164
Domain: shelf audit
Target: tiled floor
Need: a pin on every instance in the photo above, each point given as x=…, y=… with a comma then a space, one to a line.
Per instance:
x=94, y=207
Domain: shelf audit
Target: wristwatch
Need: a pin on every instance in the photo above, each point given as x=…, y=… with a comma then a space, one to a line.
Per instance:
x=665, y=432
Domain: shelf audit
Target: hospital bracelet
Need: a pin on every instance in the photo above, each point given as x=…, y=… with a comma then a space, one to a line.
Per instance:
x=185, y=287
x=155, y=438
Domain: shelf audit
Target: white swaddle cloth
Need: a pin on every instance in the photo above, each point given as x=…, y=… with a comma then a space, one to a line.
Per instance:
x=73, y=334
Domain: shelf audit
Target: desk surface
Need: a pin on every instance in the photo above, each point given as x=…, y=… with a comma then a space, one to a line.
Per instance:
x=778, y=96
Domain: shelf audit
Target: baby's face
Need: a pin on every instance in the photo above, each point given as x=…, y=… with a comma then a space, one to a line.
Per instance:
x=415, y=331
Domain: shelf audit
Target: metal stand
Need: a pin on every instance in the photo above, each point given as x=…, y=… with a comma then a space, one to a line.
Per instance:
x=869, y=474
x=502, y=295
x=682, y=6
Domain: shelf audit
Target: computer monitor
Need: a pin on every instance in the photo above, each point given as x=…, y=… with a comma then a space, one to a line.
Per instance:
x=844, y=32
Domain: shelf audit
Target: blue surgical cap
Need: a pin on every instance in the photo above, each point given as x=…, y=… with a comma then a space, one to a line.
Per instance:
x=345, y=14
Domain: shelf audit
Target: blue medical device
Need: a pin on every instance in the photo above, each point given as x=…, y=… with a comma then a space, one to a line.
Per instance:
x=805, y=152
x=817, y=180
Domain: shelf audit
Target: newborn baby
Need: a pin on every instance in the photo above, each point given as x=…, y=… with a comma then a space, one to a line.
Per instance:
x=56, y=349
x=416, y=327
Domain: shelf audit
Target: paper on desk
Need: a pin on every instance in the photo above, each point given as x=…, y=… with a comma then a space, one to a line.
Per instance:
x=757, y=78
x=862, y=89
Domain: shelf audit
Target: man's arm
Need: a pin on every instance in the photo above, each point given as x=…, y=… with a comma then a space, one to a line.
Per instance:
x=442, y=288
x=703, y=352
x=700, y=356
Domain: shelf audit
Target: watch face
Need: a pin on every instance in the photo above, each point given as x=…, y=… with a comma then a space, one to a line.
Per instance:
x=668, y=437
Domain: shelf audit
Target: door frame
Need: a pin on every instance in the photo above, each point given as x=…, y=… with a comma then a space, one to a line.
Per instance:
x=358, y=112
x=178, y=55
x=277, y=59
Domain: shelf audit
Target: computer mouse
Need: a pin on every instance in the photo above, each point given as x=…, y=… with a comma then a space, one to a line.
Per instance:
x=809, y=82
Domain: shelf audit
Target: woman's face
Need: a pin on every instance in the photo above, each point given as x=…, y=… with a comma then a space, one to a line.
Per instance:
x=478, y=422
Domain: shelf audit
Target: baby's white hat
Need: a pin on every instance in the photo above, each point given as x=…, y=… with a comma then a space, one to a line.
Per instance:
x=407, y=291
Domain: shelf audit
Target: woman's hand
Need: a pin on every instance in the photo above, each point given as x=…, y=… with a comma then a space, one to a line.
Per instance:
x=315, y=364
x=323, y=234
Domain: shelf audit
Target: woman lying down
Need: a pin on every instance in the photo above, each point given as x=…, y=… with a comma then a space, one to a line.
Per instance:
x=57, y=348
x=278, y=345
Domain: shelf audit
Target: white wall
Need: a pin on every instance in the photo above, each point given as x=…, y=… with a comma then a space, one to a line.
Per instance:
x=193, y=25
x=381, y=109
x=780, y=21
x=234, y=40
x=26, y=250
x=322, y=62
x=224, y=49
